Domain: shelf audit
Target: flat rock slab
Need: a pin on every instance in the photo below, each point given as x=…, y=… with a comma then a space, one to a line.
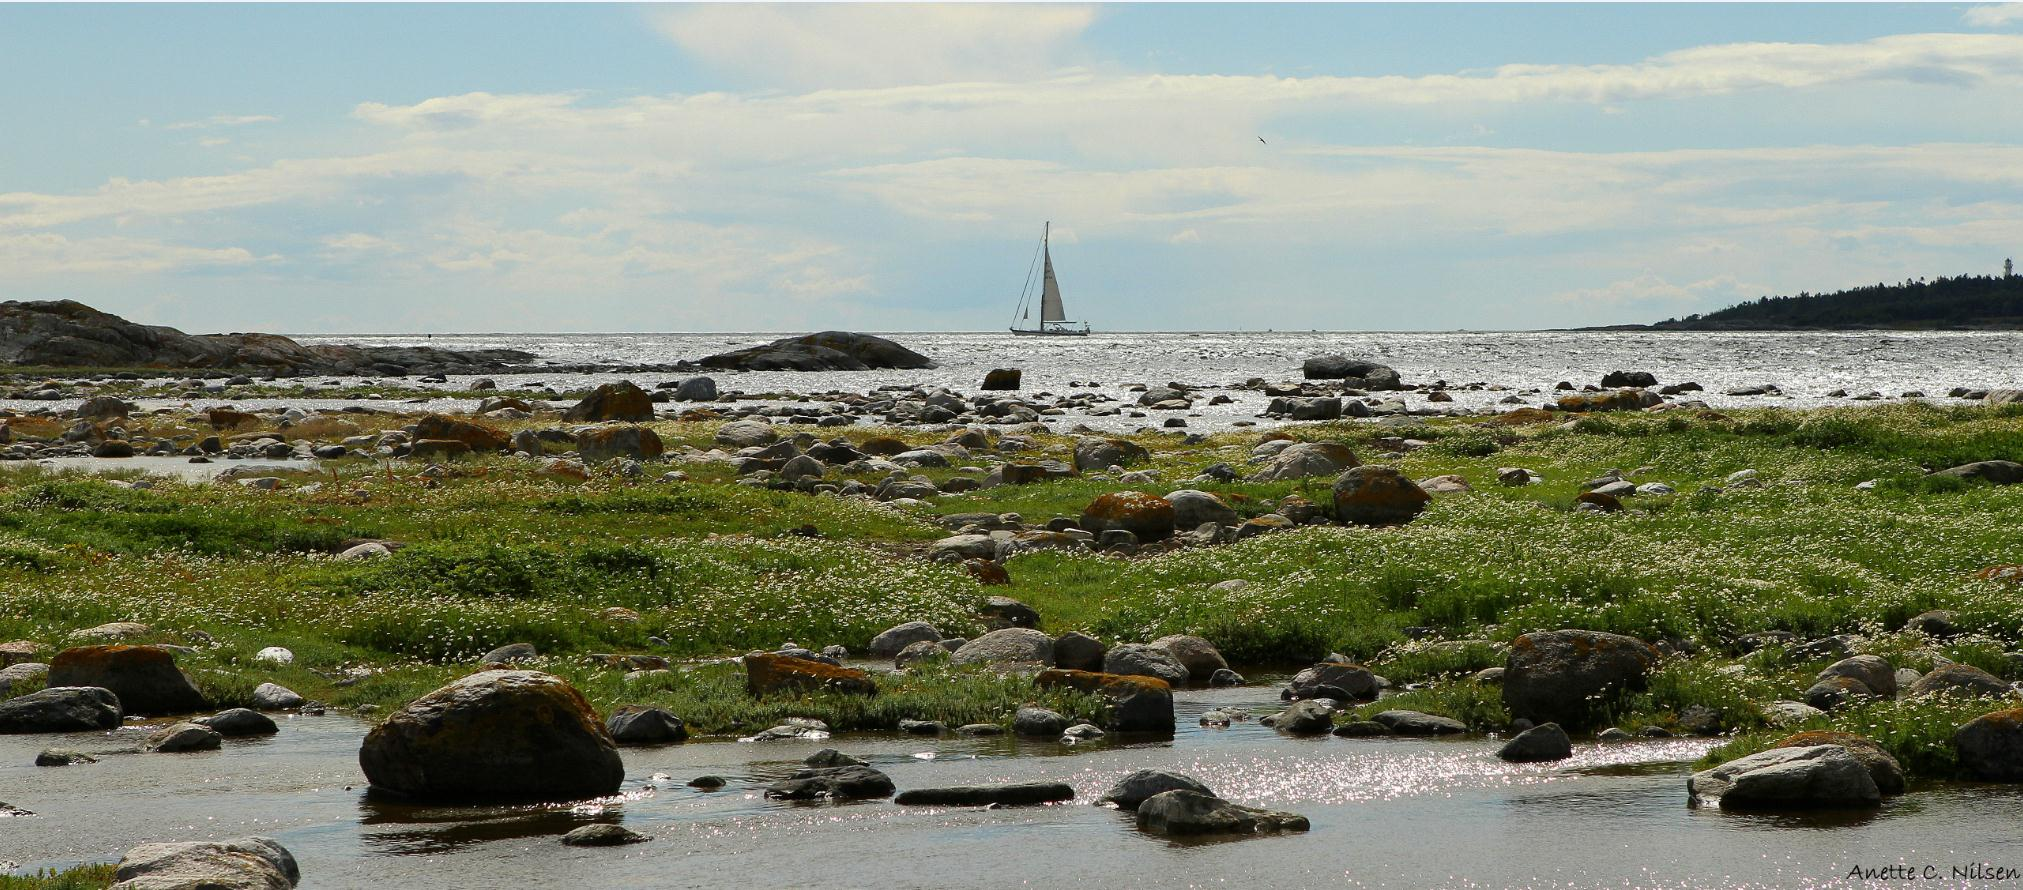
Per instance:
x=1016, y=794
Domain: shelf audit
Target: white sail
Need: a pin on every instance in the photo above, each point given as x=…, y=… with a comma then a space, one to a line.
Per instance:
x=1050, y=296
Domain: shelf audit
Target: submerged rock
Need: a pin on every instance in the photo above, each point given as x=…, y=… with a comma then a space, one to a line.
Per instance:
x=1191, y=812
x=1814, y=777
x=602, y=834
x=499, y=734
x=1017, y=794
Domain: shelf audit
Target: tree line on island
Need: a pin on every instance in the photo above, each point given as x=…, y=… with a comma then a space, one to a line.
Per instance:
x=1965, y=301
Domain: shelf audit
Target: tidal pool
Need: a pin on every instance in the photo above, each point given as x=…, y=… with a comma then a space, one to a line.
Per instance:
x=1385, y=813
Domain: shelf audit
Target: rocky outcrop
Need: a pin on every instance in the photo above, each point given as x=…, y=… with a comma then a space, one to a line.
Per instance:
x=66, y=333
x=1564, y=676
x=769, y=672
x=145, y=678
x=1814, y=777
x=497, y=734
x=825, y=351
x=246, y=863
x=1352, y=372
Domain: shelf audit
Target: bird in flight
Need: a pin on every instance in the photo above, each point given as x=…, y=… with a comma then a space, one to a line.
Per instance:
x=1260, y=139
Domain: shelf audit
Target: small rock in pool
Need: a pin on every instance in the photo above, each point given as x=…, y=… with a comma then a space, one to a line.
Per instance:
x=922, y=727
x=1357, y=729
x=1083, y=731
x=183, y=737
x=602, y=834
x=1544, y=742
x=239, y=722
x=707, y=783
x=830, y=757
x=275, y=697
x=1137, y=787
x=1225, y=677
x=979, y=729
x=62, y=757
x=1019, y=794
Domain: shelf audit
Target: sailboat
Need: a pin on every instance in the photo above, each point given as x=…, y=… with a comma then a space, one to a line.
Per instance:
x=1053, y=319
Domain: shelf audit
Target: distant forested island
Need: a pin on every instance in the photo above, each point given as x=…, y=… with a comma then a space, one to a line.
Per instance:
x=1966, y=302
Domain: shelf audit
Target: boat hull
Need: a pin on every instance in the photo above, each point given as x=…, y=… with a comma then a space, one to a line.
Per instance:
x=1023, y=332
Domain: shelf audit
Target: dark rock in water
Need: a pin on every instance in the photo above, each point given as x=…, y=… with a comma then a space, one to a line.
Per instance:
x=1137, y=704
x=1544, y=742
x=641, y=725
x=1135, y=788
x=832, y=783
x=1990, y=746
x=182, y=737
x=1372, y=495
x=1191, y=812
x=145, y=678
x=9, y=811
x=613, y=401
x=602, y=834
x=1018, y=794
x=1135, y=660
x=67, y=333
x=1001, y=379
x=240, y=722
x=499, y=734
x=1359, y=729
x=246, y=863
x=1563, y=676
x=62, y=757
x=1357, y=373
x=1038, y=723
x=1620, y=379
x=1416, y=723
x=707, y=783
x=979, y=729
x=275, y=697
x=1340, y=681
x=60, y=709
x=1308, y=717
x=829, y=758
x=922, y=727
x=1999, y=472
x=1814, y=777
x=1225, y=677
x=825, y=351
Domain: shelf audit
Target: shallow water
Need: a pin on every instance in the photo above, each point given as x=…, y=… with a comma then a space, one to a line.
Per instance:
x=1385, y=813
x=1806, y=365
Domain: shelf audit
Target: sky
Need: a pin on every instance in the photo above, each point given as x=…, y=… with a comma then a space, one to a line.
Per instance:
x=588, y=168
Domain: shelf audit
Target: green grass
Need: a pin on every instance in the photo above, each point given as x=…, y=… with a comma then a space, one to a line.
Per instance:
x=83, y=877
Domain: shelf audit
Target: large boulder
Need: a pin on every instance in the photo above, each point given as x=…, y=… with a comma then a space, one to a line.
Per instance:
x=1999, y=472
x=1871, y=671
x=1150, y=517
x=1097, y=455
x=145, y=678
x=614, y=442
x=1539, y=744
x=1135, y=660
x=246, y=863
x=1355, y=372
x=60, y=709
x=1883, y=769
x=1078, y=651
x=1564, y=676
x=1962, y=680
x=1620, y=379
x=1139, y=786
x=1197, y=655
x=1001, y=379
x=613, y=401
x=889, y=643
x=746, y=434
x=1305, y=459
x=1137, y=704
x=1191, y=812
x=496, y=734
x=1378, y=496
x=1009, y=646
x=696, y=389
x=832, y=783
x=825, y=351
x=1991, y=746
x=1193, y=509
x=475, y=436
x=1812, y=777
x=767, y=673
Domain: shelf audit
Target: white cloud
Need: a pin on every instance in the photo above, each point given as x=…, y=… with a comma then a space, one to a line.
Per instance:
x=876, y=44
x=1650, y=289
x=49, y=254
x=1993, y=15
x=219, y=120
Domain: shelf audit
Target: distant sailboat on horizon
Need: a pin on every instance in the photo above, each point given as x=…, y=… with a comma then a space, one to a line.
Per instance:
x=1053, y=318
